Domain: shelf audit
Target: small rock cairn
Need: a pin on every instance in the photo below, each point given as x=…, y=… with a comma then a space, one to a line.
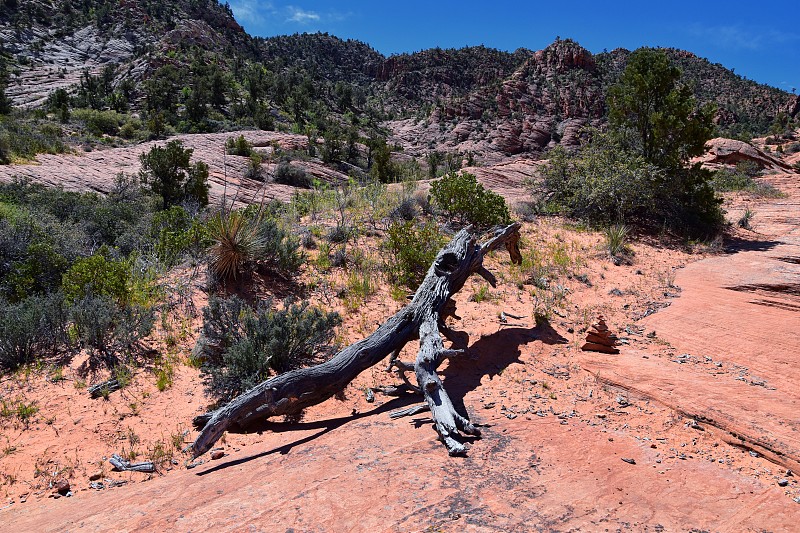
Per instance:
x=600, y=339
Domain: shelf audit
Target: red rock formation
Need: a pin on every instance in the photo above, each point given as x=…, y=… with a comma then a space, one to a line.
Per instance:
x=722, y=151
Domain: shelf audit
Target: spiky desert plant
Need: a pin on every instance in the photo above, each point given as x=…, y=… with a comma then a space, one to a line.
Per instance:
x=744, y=220
x=616, y=238
x=236, y=241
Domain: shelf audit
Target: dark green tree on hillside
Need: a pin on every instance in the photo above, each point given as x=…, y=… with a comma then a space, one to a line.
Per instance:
x=167, y=171
x=662, y=123
x=639, y=170
x=662, y=112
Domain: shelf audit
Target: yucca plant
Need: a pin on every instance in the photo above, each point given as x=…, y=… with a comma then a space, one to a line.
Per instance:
x=616, y=239
x=237, y=241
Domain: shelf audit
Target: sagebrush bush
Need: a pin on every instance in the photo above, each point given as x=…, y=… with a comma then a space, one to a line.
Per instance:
x=412, y=249
x=109, y=329
x=251, y=344
x=288, y=174
x=30, y=329
x=466, y=201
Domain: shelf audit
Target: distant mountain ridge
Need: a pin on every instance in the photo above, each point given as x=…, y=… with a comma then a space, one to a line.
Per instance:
x=488, y=102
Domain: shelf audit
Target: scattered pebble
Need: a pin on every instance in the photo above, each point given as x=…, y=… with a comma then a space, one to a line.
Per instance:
x=95, y=476
x=753, y=454
x=629, y=460
x=783, y=482
x=217, y=454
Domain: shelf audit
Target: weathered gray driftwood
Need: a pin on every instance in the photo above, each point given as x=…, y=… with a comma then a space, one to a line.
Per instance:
x=122, y=465
x=104, y=388
x=422, y=318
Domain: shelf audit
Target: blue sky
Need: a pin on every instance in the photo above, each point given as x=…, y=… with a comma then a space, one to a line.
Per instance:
x=759, y=41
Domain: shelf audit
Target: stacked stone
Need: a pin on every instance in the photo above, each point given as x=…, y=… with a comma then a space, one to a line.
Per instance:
x=600, y=339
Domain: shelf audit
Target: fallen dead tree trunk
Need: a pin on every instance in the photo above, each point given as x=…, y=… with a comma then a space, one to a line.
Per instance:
x=423, y=318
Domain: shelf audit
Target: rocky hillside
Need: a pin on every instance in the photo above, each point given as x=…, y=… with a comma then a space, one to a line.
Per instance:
x=190, y=61
x=50, y=43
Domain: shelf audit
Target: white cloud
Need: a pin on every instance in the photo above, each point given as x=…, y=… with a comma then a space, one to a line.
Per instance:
x=250, y=11
x=301, y=16
x=738, y=38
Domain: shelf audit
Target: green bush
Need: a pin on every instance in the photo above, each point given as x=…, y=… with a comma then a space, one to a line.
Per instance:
x=603, y=182
x=30, y=329
x=246, y=238
x=23, y=138
x=466, y=201
x=99, y=122
x=254, y=171
x=290, y=175
x=168, y=172
x=412, y=249
x=98, y=275
x=176, y=233
x=239, y=146
x=607, y=182
x=253, y=343
x=742, y=179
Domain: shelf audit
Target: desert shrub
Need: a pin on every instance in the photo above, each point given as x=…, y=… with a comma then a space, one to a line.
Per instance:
x=607, y=182
x=412, y=249
x=167, y=171
x=602, y=183
x=109, y=329
x=23, y=138
x=30, y=329
x=99, y=122
x=254, y=171
x=465, y=200
x=238, y=146
x=32, y=260
x=130, y=129
x=288, y=174
x=177, y=233
x=253, y=343
x=100, y=275
x=742, y=179
x=281, y=248
x=405, y=210
x=249, y=237
x=339, y=233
